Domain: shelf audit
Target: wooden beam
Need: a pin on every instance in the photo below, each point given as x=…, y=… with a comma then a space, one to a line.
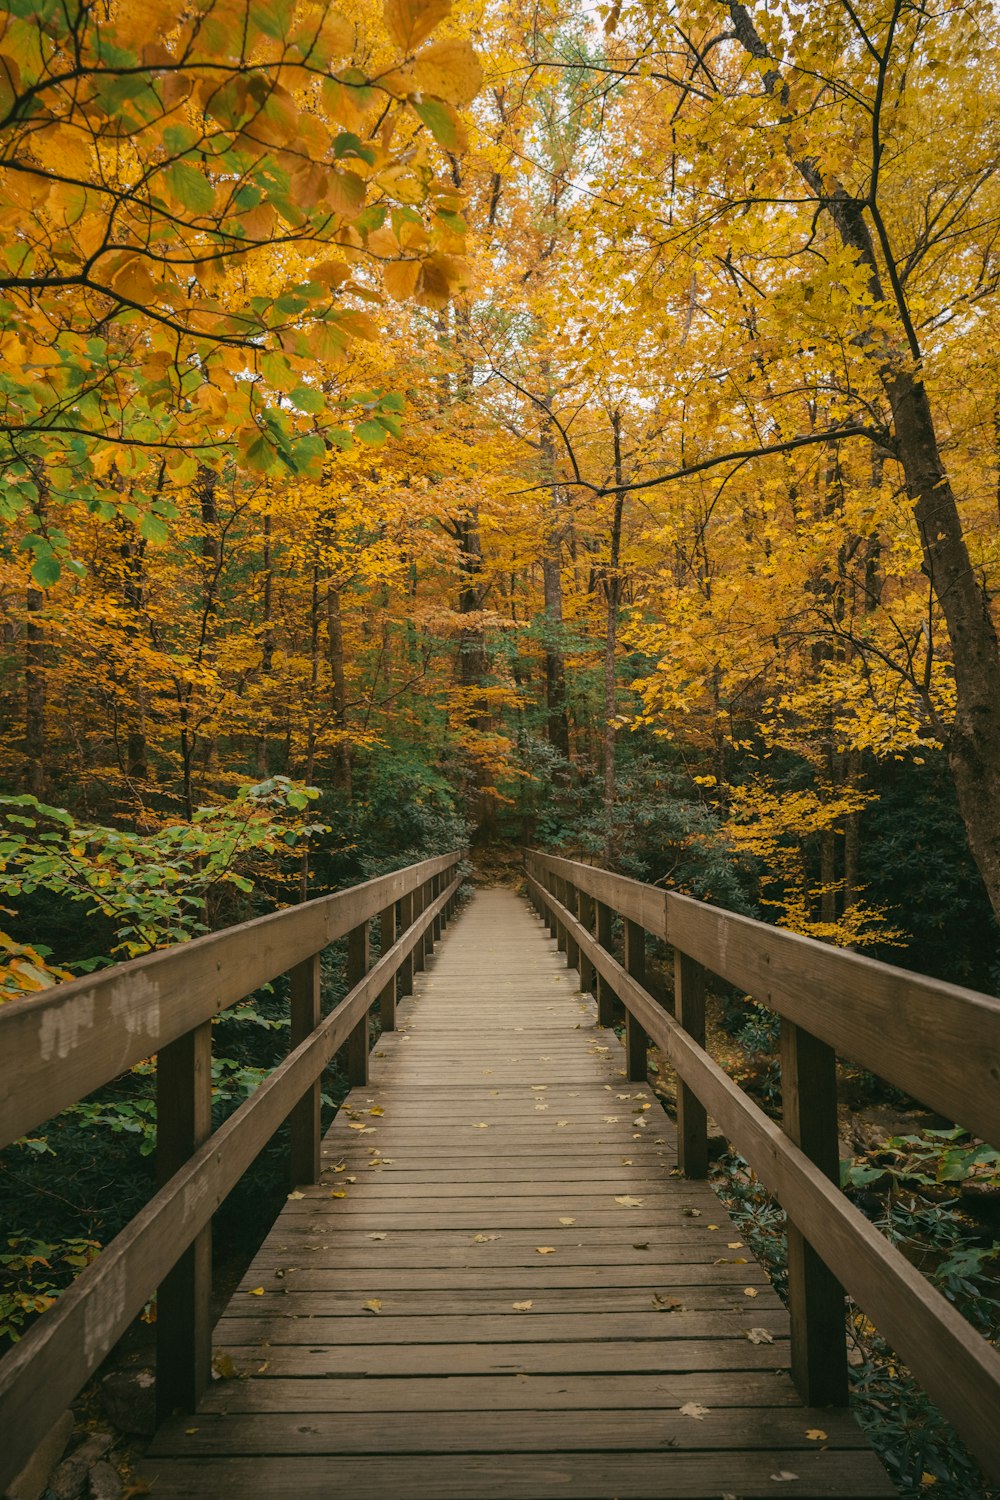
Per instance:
x=183, y=1300
x=692, y=1121
x=636, y=1040
x=815, y=1296
x=304, y=1120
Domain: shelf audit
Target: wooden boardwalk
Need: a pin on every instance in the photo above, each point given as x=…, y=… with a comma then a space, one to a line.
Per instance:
x=501, y=1288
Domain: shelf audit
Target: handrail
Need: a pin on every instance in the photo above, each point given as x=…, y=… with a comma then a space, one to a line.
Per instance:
x=825, y=997
x=167, y=1245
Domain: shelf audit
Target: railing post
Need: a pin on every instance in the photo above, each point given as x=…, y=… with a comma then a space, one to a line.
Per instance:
x=549, y=882
x=559, y=891
x=357, y=1042
x=405, y=922
x=183, y=1311
x=636, y=1041
x=386, y=937
x=419, y=907
x=572, y=946
x=437, y=885
x=304, y=1120
x=606, y=996
x=588, y=974
x=815, y=1297
x=692, y=1122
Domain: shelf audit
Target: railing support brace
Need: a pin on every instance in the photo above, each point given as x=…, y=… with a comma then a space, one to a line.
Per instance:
x=606, y=996
x=387, y=999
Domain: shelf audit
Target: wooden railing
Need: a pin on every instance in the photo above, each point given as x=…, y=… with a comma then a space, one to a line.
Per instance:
x=939, y=1043
x=80, y=1035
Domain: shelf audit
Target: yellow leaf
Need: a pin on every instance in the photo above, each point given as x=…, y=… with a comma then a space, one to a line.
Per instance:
x=567, y=1221
x=410, y=21
x=338, y=1193
x=374, y=1305
x=627, y=1201
x=256, y=1291
x=450, y=70
x=750, y=1291
x=816, y=1435
x=927, y=1478
x=546, y=1249
x=295, y=1195
x=522, y=1306
x=735, y=1245
x=378, y=1110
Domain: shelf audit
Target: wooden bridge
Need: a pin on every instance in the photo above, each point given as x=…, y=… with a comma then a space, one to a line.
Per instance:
x=502, y=1274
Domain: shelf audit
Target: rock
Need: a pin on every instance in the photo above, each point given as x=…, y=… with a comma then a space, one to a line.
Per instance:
x=130, y=1401
x=104, y=1482
x=70, y=1479
x=34, y=1477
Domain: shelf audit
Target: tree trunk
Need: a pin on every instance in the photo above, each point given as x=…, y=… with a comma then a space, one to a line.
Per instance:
x=34, y=694
x=556, y=717
x=343, y=769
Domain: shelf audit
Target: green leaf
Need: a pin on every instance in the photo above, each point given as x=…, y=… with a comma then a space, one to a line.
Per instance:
x=153, y=528
x=308, y=398
x=45, y=569
x=191, y=188
x=440, y=121
x=372, y=433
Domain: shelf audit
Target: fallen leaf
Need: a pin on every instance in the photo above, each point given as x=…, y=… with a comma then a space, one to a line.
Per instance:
x=562, y=1122
x=261, y=1368
x=707, y=1226
x=816, y=1435
x=223, y=1367
x=359, y=1125
x=694, y=1409
x=342, y=1167
x=735, y=1245
x=481, y=1126
x=611, y=1119
x=626, y=1161
x=691, y=1213
x=667, y=1304
x=927, y=1478
x=627, y=1201
x=538, y=1088
x=350, y=1179
x=522, y=1306
x=295, y=1195
x=373, y=1306
x=484, y=1239
x=643, y=1246
x=338, y=1193
x=567, y=1221
x=379, y=1235
x=378, y=1110
x=256, y=1291
x=545, y=1249
x=758, y=1335
x=190, y=1431
x=782, y=1475
x=750, y=1291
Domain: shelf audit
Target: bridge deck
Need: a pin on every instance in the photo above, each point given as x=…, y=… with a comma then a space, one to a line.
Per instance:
x=499, y=1288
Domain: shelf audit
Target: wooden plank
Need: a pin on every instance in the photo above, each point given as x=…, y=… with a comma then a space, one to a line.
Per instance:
x=712, y=1388
x=64, y=1044
x=300, y=1434
x=876, y=1014
x=502, y=1476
